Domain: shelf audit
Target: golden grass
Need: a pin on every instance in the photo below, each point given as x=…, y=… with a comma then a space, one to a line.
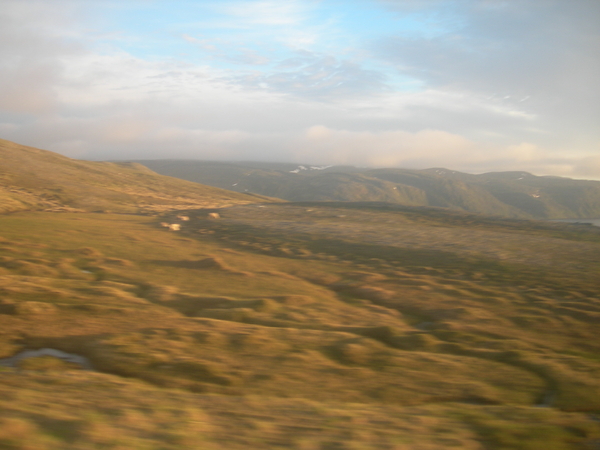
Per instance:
x=332, y=343
x=99, y=411
x=34, y=179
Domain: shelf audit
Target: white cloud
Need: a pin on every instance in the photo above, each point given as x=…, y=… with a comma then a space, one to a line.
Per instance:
x=588, y=166
x=495, y=97
x=31, y=52
x=323, y=145
x=545, y=51
x=315, y=76
x=524, y=151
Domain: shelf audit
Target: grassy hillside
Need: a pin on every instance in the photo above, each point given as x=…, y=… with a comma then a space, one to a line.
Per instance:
x=33, y=179
x=306, y=325
x=302, y=326
x=509, y=194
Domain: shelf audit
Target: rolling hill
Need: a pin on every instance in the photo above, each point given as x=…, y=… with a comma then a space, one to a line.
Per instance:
x=508, y=194
x=286, y=325
x=34, y=179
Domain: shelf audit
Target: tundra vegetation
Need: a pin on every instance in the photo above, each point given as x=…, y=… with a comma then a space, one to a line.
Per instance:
x=306, y=326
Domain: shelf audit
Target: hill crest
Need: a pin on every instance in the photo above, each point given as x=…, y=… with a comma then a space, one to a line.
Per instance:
x=35, y=179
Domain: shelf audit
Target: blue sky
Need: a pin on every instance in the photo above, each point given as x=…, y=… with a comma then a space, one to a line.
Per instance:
x=472, y=85
x=266, y=37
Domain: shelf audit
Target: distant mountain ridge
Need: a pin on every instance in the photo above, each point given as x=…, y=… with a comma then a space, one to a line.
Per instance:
x=34, y=179
x=509, y=194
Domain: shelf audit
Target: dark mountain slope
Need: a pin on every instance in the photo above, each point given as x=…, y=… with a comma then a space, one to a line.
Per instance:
x=509, y=194
x=448, y=191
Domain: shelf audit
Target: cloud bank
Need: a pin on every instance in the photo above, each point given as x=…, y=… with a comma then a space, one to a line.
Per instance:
x=472, y=85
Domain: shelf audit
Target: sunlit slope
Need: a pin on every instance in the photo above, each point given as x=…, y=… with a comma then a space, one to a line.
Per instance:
x=509, y=194
x=33, y=179
x=303, y=326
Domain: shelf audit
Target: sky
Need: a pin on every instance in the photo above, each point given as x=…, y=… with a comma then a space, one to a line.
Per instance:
x=470, y=85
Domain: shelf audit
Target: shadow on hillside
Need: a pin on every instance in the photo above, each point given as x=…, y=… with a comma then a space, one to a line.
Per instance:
x=299, y=244
x=209, y=263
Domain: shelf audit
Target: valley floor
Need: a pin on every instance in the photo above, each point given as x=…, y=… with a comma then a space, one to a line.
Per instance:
x=301, y=326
